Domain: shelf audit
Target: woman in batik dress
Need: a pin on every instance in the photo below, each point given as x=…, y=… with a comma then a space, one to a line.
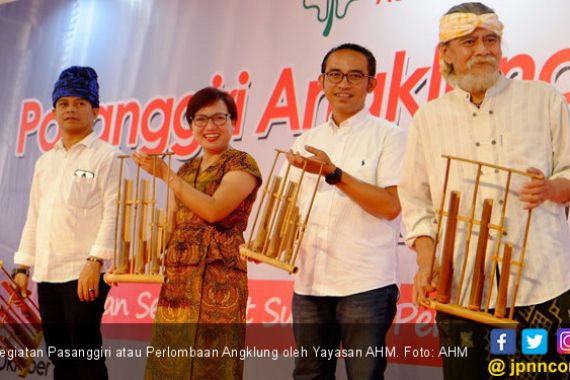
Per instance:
x=201, y=308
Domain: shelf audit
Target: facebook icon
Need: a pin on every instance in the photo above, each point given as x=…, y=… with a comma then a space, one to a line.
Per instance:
x=503, y=341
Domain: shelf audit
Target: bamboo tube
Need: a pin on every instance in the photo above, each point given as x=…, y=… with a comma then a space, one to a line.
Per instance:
x=303, y=225
x=279, y=230
x=152, y=205
x=136, y=201
x=501, y=305
x=478, y=280
x=440, y=219
x=141, y=259
x=267, y=211
x=470, y=220
x=124, y=252
x=289, y=241
x=263, y=196
x=154, y=249
x=159, y=238
x=444, y=287
x=137, y=278
x=520, y=267
x=490, y=281
x=117, y=214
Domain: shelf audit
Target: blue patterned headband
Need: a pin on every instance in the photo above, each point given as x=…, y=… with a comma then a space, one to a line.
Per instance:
x=77, y=81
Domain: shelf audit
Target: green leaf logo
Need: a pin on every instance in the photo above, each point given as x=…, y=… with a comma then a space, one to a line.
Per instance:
x=331, y=11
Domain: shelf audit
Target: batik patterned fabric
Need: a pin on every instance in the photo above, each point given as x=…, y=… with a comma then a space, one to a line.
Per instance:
x=456, y=25
x=203, y=303
x=77, y=81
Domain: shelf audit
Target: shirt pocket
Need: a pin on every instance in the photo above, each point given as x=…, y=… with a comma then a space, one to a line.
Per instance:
x=523, y=150
x=83, y=193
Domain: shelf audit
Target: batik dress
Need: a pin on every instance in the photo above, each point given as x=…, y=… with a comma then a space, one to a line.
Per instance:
x=201, y=308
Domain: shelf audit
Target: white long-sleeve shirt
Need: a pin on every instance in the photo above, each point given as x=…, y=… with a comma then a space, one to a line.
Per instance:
x=72, y=210
x=345, y=249
x=520, y=124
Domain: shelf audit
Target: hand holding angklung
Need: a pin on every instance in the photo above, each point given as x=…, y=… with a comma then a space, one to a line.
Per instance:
x=151, y=164
x=314, y=163
x=21, y=281
x=536, y=190
x=425, y=282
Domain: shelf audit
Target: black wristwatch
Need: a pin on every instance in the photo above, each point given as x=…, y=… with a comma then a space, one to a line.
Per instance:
x=334, y=177
x=17, y=270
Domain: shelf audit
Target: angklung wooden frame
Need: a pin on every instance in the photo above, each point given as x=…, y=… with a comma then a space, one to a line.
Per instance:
x=478, y=309
x=140, y=242
x=282, y=226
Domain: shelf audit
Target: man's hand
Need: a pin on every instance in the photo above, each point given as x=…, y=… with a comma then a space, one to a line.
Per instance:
x=425, y=282
x=88, y=282
x=541, y=189
x=21, y=281
x=536, y=191
x=314, y=163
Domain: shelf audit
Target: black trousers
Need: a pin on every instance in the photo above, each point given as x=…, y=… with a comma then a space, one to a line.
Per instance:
x=71, y=326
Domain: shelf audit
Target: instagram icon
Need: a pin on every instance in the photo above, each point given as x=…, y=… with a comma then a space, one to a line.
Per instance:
x=563, y=341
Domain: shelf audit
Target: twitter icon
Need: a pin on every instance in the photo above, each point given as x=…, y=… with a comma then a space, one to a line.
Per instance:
x=534, y=341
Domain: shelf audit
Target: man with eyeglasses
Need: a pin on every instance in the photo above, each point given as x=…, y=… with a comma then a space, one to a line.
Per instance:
x=345, y=291
x=513, y=123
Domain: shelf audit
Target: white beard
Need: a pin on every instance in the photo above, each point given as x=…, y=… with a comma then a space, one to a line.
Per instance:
x=478, y=82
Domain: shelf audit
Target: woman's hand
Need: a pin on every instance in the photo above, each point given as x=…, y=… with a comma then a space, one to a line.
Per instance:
x=153, y=165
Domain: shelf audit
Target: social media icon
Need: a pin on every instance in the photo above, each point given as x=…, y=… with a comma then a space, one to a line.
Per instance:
x=534, y=341
x=503, y=341
x=563, y=341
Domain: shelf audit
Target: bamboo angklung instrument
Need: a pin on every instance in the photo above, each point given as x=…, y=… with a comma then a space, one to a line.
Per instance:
x=281, y=227
x=139, y=255
x=477, y=308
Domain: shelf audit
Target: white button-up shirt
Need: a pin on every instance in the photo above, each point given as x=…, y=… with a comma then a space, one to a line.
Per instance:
x=520, y=124
x=73, y=203
x=345, y=249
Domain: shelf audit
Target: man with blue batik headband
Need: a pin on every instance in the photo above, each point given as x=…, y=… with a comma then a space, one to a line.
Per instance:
x=69, y=230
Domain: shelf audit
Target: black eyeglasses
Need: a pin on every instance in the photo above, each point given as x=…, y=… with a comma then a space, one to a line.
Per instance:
x=219, y=119
x=353, y=77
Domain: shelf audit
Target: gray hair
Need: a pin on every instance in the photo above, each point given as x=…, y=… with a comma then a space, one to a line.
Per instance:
x=476, y=8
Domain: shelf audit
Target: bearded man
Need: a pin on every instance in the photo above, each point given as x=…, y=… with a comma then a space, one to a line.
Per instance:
x=508, y=122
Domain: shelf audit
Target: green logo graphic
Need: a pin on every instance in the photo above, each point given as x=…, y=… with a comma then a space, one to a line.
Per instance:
x=332, y=11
